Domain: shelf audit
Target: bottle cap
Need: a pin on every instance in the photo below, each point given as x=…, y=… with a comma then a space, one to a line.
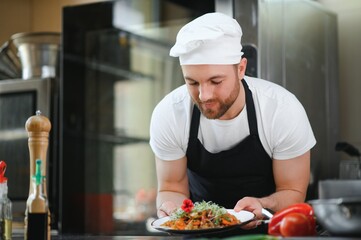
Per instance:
x=3, y=179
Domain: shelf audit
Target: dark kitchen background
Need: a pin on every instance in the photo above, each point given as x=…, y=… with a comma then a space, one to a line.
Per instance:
x=114, y=67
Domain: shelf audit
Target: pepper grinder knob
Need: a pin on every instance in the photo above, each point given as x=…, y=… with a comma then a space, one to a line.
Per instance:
x=38, y=123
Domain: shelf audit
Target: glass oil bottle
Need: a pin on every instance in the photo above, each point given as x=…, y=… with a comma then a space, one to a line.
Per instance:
x=5, y=206
x=37, y=208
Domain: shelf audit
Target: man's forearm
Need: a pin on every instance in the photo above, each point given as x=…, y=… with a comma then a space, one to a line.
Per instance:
x=282, y=199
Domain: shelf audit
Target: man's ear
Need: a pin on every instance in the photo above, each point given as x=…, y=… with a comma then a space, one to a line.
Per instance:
x=242, y=68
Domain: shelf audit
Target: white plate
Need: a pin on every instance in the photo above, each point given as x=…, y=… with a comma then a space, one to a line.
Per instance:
x=243, y=216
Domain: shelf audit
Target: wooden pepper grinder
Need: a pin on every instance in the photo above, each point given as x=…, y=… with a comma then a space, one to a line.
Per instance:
x=38, y=128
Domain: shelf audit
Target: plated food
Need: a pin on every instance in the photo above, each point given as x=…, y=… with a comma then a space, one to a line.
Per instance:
x=201, y=217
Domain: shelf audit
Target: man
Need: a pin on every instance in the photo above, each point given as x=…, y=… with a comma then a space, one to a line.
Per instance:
x=240, y=142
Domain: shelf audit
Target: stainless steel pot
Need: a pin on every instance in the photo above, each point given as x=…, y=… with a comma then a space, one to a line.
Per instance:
x=339, y=216
x=38, y=53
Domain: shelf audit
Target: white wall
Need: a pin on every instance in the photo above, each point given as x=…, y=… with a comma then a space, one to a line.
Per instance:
x=349, y=40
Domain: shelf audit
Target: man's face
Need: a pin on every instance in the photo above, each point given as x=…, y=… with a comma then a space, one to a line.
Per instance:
x=213, y=88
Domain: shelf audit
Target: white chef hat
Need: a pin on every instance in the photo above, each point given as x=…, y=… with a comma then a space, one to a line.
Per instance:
x=214, y=38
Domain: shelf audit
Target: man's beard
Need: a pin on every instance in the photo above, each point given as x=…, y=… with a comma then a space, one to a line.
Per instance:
x=222, y=106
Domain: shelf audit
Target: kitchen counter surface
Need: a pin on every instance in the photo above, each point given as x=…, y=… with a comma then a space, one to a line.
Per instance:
x=55, y=235
x=168, y=237
x=182, y=238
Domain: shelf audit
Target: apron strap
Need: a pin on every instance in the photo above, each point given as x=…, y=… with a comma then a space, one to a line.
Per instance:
x=196, y=114
x=251, y=112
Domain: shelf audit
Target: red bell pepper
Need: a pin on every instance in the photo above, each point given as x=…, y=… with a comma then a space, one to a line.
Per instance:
x=275, y=223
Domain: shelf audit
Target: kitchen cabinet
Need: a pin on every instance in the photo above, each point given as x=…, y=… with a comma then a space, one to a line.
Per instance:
x=116, y=67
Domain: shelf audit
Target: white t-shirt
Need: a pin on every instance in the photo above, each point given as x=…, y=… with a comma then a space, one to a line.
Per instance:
x=283, y=126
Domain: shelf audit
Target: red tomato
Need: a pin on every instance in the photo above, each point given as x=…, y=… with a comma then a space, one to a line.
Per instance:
x=275, y=221
x=296, y=224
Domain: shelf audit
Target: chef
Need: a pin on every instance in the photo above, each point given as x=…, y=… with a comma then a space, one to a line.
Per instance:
x=241, y=142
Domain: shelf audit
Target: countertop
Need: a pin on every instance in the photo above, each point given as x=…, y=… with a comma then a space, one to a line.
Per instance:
x=70, y=237
x=169, y=237
x=322, y=234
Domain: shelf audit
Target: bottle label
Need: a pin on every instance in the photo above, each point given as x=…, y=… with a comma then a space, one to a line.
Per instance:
x=37, y=228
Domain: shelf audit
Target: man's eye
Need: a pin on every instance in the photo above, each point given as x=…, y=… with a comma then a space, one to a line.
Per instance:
x=193, y=83
x=216, y=82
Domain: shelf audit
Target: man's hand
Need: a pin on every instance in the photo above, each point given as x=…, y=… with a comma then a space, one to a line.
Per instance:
x=166, y=209
x=252, y=205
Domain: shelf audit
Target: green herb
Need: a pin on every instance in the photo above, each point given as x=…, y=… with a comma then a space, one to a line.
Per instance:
x=214, y=208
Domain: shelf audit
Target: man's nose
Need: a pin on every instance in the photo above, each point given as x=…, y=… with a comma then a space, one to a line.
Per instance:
x=205, y=93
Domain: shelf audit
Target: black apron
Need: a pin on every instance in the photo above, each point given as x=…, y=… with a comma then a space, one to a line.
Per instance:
x=227, y=176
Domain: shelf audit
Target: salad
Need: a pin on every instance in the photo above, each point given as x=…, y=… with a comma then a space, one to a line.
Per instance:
x=200, y=215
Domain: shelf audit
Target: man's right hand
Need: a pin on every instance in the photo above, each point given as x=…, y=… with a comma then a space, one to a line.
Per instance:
x=166, y=209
